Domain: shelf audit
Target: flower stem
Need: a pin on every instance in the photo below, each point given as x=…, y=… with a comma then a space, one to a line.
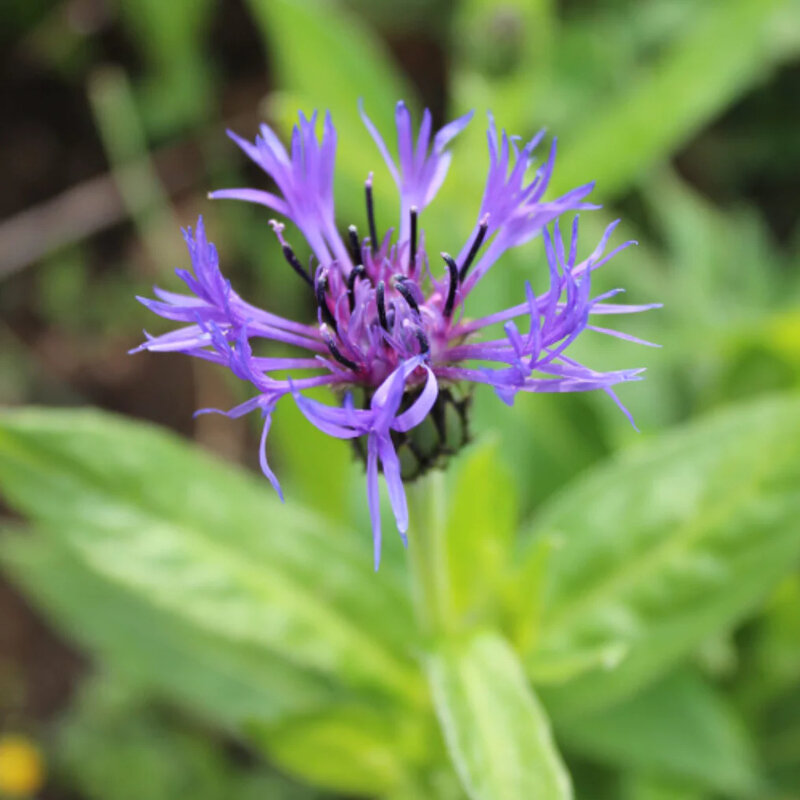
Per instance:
x=427, y=550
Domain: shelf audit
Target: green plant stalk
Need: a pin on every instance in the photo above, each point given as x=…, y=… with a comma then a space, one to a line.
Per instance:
x=427, y=552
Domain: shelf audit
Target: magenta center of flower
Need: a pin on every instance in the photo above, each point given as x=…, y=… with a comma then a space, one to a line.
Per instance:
x=374, y=313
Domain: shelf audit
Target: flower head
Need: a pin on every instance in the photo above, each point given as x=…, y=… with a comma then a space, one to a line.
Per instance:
x=385, y=324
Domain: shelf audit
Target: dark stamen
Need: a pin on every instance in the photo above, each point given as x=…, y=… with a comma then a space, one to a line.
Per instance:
x=294, y=263
x=380, y=299
x=399, y=283
x=424, y=345
x=322, y=302
x=451, y=291
x=357, y=272
x=373, y=231
x=355, y=245
x=476, y=245
x=335, y=352
x=412, y=256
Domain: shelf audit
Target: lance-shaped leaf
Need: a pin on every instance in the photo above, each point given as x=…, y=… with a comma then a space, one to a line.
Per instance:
x=679, y=727
x=210, y=544
x=496, y=731
x=350, y=747
x=158, y=652
x=723, y=52
x=674, y=541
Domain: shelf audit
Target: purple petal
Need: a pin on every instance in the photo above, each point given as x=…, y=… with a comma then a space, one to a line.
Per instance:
x=252, y=196
x=373, y=498
x=446, y=134
x=379, y=141
x=615, y=308
x=414, y=415
x=405, y=138
x=237, y=411
x=331, y=421
x=394, y=483
x=613, y=395
x=262, y=455
x=619, y=335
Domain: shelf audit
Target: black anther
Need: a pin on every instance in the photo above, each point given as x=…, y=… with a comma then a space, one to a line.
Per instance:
x=380, y=299
x=373, y=231
x=335, y=352
x=294, y=263
x=357, y=272
x=451, y=291
x=355, y=245
x=473, y=251
x=320, y=289
x=412, y=256
x=424, y=344
x=399, y=283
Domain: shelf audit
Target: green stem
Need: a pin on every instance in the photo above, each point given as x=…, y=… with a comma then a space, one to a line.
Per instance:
x=427, y=550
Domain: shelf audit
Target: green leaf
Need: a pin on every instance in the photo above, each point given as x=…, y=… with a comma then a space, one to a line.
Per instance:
x=115, y=745
x=679, y=726
x=227, y=682
x=480, y=527
x=656, y=787
x=496, y=731
x=726, y=49
x=702, y=241
x=772, y=659
x=211, y=545
x=674, y=541
x=349, y=748
x=779, y=736
x=304, y=724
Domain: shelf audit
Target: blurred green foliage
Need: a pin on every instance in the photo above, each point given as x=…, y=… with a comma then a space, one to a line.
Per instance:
x=636, y=593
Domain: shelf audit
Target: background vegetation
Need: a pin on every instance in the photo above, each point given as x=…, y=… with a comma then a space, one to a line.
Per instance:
x=167, y=629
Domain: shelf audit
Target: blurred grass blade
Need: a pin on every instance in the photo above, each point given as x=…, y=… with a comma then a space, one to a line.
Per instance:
x=728, y=47
x=210, y=544
x=330, y=58
x=325, y=57
x=503, y=54
x=680, y=726
x=496, y=731
x=677, y=539
x=171, y=36
x=125, y=144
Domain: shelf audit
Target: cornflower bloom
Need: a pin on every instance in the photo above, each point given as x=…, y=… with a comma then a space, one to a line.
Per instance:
x=386, y=325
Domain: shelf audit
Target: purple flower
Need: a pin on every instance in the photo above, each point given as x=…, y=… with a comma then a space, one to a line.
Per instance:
x=385, y=324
